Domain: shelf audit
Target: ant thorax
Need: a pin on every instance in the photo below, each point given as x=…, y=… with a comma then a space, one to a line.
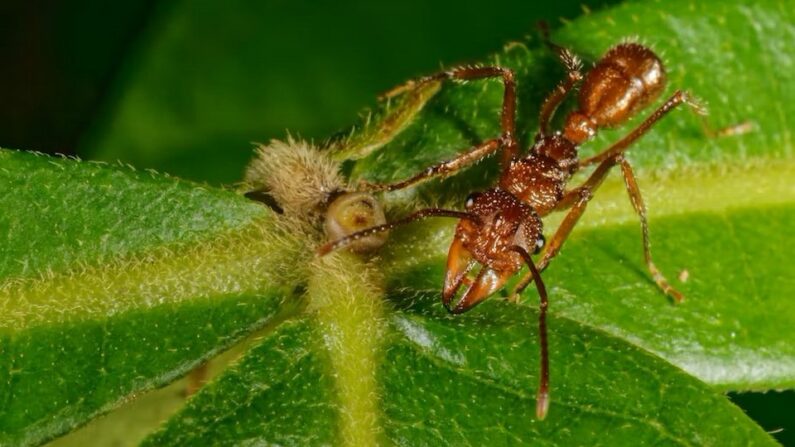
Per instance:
x=540, y=178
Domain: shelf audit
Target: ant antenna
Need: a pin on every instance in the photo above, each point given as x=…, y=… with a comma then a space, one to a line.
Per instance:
x=542, y=396
x=421, y=214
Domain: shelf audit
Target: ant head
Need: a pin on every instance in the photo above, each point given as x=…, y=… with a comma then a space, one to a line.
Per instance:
x=355, y=211
x=500, y=223
x=579, y=128
x=558, y=148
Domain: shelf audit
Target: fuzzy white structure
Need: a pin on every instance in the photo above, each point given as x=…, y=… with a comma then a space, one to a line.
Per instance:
x=298, y=176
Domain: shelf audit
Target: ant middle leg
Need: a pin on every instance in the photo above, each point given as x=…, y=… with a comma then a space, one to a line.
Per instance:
x=507, y=140
x=416, y=94
x=470, y=73
x=395, y=119
x=640, y=208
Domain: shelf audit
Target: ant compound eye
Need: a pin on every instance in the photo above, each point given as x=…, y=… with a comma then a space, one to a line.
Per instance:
x=540, y=242
x=471, y=199
x=352, y=212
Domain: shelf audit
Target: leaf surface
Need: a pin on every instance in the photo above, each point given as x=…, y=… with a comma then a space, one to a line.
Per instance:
x=117, y=282
x=446, y=380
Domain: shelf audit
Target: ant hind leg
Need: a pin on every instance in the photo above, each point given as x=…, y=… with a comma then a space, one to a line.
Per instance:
x=678, y=98
x=731, y=130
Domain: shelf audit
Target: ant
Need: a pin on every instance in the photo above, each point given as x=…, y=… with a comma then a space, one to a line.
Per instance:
x=501, y=227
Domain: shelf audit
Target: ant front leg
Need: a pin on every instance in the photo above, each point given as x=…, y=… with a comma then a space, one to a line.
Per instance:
x=577, y=199
x=395, y=119
x=506, y=141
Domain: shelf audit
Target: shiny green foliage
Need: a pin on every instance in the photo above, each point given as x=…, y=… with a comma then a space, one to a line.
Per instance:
x=115, y=282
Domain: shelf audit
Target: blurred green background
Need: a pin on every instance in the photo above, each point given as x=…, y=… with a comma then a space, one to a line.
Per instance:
x=185, y=87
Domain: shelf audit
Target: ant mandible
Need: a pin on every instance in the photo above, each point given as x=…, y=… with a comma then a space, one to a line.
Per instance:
x=501, y=227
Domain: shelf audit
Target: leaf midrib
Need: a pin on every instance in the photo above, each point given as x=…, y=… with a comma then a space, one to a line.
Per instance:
x=260, y=257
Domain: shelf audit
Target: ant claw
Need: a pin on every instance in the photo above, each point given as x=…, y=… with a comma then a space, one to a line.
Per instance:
x=676, y=295
x=398, y=90
x=697, y=104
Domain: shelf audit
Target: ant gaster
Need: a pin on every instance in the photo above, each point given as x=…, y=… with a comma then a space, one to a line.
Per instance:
x=501, y=227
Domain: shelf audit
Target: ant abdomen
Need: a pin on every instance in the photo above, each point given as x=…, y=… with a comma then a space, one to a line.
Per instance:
x=627, y=79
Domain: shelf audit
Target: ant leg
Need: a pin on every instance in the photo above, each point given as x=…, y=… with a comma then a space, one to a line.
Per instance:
x=640, y=208
x=469, y=73
x=508, y=124
x=731, y=130
x=417, y=215
x=542, y=395
x=508, y=114
x=554, y=99
x=678, y=98
x=576, y=199
x=394, y=121
x=573, y=65
x=443, y=168
x=579, y=197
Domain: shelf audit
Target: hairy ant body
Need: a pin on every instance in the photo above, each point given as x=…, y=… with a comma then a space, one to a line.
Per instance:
x=501, y=227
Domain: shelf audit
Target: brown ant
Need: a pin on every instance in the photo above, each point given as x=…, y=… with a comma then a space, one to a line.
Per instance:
x=501, y=227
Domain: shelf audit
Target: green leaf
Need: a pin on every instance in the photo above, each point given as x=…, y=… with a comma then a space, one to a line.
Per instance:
x=281, y=387
x=115, y=282
x=446, y=380
x=121, y=302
